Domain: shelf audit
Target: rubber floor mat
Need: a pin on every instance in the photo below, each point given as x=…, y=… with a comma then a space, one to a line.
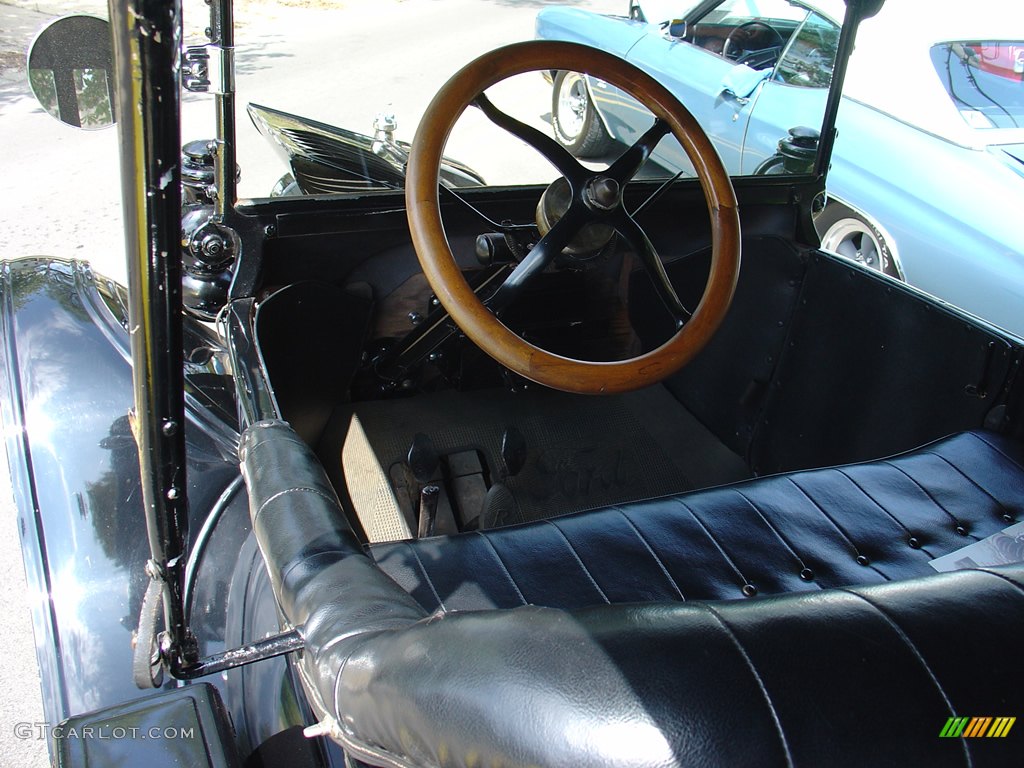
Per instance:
x=581, y=452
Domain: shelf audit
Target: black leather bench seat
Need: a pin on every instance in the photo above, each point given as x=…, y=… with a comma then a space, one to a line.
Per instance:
x=867, y=675
x=851, y=525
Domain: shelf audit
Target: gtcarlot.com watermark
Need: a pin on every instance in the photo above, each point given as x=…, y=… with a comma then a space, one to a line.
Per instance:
x=104, y=732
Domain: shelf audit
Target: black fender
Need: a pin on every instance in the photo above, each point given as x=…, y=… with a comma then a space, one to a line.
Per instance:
x=65, y=397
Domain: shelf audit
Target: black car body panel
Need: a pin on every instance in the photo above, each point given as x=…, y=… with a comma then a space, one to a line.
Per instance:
x=66, y=399
x=326, y=159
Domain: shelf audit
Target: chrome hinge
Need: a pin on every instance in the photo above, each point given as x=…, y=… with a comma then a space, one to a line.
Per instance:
x=208, y=68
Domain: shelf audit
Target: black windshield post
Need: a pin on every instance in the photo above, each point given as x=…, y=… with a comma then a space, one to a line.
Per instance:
x=856, y=12
x=222, y=27
x=147, y=41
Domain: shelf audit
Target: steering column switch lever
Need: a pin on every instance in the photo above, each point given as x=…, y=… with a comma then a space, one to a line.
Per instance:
x=493, y=248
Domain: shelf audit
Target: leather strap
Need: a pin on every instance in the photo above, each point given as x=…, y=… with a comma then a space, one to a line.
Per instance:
x=147, y=668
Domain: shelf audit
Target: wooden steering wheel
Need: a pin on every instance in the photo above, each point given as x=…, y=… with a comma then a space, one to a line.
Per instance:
x=596, y=196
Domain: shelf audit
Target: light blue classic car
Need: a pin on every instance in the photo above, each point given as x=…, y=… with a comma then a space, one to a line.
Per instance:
x=928, y=167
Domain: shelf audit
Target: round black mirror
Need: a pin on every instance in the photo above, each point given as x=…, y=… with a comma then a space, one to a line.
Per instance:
x=70, y=70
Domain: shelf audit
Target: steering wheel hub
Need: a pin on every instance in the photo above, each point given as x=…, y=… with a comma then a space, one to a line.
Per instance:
x=553, y=205
x=602, y=193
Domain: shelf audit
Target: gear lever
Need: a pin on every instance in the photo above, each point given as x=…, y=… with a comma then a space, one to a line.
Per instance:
x=428, y=511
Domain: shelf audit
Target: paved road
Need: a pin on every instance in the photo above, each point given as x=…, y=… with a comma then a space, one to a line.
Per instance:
x=60, y=193
x=39, y=152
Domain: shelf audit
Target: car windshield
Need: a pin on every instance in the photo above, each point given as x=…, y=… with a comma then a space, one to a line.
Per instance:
x=750, y=72
x=342, y=78
x=984, y=80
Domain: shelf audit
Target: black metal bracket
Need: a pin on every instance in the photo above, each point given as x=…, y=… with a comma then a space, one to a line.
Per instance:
x=275, y=645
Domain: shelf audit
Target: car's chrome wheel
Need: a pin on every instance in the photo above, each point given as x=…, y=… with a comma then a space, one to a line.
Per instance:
x=577, y=125
x=850, y=235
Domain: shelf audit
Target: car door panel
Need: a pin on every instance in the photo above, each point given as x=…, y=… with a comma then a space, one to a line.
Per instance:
x=776, y=108
x=796, y=93
x=695, y=76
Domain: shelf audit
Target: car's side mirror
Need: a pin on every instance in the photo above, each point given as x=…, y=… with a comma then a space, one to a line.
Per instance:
x=70, y=71
x=676, y=29
x=741, y=81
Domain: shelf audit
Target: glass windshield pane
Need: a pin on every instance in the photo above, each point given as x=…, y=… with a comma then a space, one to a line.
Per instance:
x=985, y=80
x=744, y=11
x=323, y=110
x=811, y=55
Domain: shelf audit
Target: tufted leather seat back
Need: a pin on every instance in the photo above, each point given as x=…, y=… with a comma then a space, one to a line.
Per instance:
x=806, y=531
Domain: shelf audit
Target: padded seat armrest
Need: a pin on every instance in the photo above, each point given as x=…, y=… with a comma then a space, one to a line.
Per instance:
x=862, y=676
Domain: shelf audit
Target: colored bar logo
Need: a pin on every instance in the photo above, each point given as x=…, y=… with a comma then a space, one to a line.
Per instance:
x=977, y=727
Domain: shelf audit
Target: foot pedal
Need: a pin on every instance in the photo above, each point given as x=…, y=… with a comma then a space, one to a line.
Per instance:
x=422, y=458
x=513, y=451
x=499, y=507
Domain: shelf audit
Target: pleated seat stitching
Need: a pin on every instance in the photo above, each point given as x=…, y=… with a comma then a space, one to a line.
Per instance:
x=971, y=480
x=579, y=560
x=928, y=493
x=757, y=678
x=997, y=449
x=905, y=638
x=725, y=555
x=878, y=504
x=430, y=582
x=650, y=550
x=778, y=533
x=842, y=531
x=504, y=569
x=1014, y=584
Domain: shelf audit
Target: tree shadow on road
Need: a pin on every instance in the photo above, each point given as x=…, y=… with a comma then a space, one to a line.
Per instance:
x=255, y=57
x=14, y=91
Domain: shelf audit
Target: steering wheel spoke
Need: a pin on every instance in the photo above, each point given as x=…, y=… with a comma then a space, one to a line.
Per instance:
x=631, y=161
x=626, y=226
x=555, y=153
x=539, y=258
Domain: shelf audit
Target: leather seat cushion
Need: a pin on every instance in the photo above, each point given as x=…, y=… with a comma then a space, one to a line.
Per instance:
x=851, y=525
